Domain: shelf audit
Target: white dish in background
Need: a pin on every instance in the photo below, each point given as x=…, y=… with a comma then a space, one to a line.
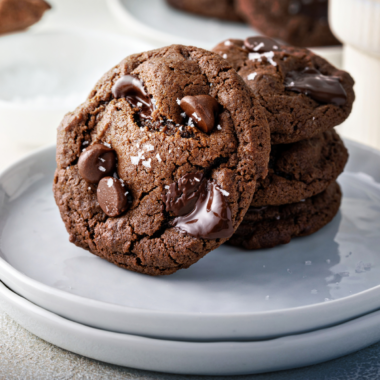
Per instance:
x=48, y=73
x=231, y=294
x=193, y=358
x=145, y=19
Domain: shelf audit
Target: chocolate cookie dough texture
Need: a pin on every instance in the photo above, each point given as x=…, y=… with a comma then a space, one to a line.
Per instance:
x=303, y=95
x=304, y=98
x=269, y=226
x=20, y=14
x=297, y=22
x=298, y=197
x=222, y=9
x=158, y=167
x=301, y=170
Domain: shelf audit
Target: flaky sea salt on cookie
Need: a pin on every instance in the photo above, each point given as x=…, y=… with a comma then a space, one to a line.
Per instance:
x=159, y=165
x=303, y=95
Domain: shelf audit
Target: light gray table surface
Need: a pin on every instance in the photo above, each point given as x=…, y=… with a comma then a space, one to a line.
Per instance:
x=23, y=356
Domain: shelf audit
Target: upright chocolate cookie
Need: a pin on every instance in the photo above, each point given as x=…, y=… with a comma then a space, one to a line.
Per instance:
x=302, y=93
x=301, y=170
x=20, y=14
x=222, y=9
x=297, y=22
x=266, y=227
x=189, y=142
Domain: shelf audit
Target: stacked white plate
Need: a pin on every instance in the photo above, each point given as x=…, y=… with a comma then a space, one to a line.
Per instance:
x=234, y=312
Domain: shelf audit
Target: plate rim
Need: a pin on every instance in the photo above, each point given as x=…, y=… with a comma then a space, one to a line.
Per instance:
x=18, y=280
x=195, y=358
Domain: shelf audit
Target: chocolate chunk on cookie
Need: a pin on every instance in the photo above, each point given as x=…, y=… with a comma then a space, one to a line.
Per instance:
x=190, y=142
x=222, y=9
x=297, y=22
x=303, y=95
x=266, y=227
x=96, y=162
x=20, y=14
x=112, y=196
x=301, y=170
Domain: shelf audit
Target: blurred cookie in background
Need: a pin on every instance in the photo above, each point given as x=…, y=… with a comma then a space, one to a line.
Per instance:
x=222, y=9
x=298, y=22
x=20, y=14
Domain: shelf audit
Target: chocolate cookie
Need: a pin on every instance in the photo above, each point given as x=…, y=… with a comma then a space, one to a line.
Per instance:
x=158, y=167
x=20, y=14
x=301, y=170
x=222, y=9
x=266, y=227
x=302, y=93
x=297, y=22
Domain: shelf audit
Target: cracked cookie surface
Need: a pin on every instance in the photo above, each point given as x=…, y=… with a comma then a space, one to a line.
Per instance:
x=266, y=227
x=155, y=152
x=301, y=170
x=292, y=116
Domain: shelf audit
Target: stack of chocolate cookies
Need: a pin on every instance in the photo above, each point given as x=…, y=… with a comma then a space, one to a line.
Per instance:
x=179, y=150
x=304, y=98
x=159, y=165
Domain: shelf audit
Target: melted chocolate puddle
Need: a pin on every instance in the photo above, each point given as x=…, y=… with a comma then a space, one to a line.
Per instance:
x=322, y=88
x=131, y=88
x=183, y=195
x=201, y=208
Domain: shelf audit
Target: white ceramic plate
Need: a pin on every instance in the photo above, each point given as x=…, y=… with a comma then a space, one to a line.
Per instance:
x=45, y=74
x=200, y=358
x=157, y=22
x=231, y=294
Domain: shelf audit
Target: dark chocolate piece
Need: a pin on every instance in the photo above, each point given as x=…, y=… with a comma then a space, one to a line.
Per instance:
x=261, y=44
x=131, y=88
x=112, y=196
x=181, y=197
x=211, y=216
x=200, y=206
x=152, y=153
x=96, y=162
x=202, y=109
x=322, y=88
